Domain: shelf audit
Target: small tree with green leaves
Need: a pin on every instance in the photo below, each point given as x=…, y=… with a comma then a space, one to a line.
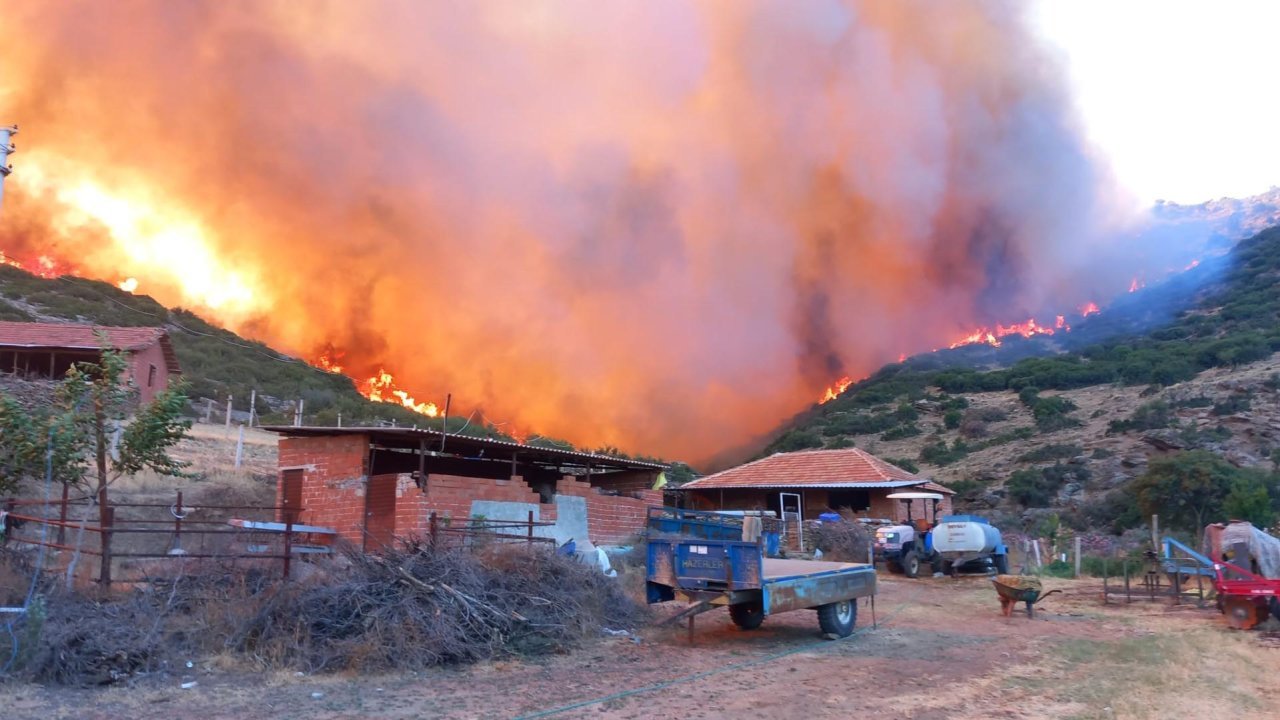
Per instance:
x=73, y=436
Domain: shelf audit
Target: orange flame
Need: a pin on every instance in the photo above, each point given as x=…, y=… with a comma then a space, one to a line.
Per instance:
x=382, y=388
x=834, y=391
x=1089, y=309
x=1135, y=285
x=43, y=266
x=128, y=284
x=328, y=361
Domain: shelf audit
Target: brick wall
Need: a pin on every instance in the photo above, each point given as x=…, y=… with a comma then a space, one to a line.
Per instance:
x=611, y=519
x=450, y=497
x=333, y=481
x=335, y=477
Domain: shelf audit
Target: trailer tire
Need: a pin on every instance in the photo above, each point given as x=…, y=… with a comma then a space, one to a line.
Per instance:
x=910, y=564
x=838, y=618
x=747, y=616
x=1002, y=564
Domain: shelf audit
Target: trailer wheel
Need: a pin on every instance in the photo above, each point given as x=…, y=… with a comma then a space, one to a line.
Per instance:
x=910, y=564
x=1002, y=564
x=747, y=616
x=838, y=618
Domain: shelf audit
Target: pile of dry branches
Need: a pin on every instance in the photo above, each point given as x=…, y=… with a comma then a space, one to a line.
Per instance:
x=845, y=541
x=402, y=610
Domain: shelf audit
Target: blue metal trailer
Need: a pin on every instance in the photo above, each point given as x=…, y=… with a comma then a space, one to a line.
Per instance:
x=700, y=557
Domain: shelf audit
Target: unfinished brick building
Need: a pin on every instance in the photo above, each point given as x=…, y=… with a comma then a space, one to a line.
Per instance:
x=376, y=486
x=810, y=482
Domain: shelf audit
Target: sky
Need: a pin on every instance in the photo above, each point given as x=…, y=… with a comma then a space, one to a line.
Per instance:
x=1178, y=94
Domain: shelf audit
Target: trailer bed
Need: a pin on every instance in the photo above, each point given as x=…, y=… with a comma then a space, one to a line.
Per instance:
x=784, y=569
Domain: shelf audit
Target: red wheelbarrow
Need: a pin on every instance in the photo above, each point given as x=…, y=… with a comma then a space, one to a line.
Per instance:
x=1248, y=600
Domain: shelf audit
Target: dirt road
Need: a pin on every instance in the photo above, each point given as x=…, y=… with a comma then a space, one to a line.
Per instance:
x=942, y=650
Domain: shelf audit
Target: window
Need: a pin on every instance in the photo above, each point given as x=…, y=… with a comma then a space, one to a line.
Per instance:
x=855, y=500
x=151, y=377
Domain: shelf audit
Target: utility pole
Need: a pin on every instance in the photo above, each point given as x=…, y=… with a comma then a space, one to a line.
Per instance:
x=6, y=147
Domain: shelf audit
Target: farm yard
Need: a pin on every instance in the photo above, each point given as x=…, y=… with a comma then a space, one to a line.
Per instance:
x=941, y=650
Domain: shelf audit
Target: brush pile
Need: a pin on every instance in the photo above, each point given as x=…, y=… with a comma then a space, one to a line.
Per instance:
x=844, y=541
x=402, y=610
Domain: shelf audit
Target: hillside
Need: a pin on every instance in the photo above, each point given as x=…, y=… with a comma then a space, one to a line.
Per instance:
x=1067, y=432
x=216, y=362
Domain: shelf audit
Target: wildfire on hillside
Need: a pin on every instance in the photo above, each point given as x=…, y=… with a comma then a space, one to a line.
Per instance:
x=834, y=391
x=382, y=388
x=1089, y=309
x=1135, y=285
x=586, y=278
x=128, y=285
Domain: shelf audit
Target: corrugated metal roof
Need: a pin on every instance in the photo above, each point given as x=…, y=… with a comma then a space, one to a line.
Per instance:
x=409, y=437
x=75, y=336
x=849, y=467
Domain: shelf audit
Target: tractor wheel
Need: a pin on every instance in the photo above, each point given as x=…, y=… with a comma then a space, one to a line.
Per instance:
x=1243, y=614
x=747, y=616
x=1002, y=564
x=838, y=618
x=910, y=564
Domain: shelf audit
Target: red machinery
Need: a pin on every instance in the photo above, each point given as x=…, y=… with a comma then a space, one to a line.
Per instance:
x=1248, y=601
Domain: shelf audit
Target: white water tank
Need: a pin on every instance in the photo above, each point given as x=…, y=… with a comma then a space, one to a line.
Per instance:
x=967, y=537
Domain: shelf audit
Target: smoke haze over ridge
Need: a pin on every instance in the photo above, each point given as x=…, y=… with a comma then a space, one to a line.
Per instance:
x=657, y=225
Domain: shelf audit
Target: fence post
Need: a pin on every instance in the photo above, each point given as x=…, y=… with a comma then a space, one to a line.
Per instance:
x=1077, y=556
x=433, y=528
x=177, y=524
x=288, y=540
x=62, y=517
x=240, y=447
x=104, y=532
x=530, y=539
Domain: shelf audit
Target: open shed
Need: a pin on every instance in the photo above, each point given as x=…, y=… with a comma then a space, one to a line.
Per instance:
x=377, y=485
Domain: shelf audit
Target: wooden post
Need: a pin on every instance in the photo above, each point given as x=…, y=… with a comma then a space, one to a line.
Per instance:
x=433, y=528
x=208, y=410
x=288, y=540
x=228, y=422
x=529, y=541
x=62, y=517
x=297, y=413
x=253, y=406
x=1077, y=556
x=1035, y=544
x=339, y=418
x=240, y=447
x=1155, y=532
x=104, y=569
x=177, y=523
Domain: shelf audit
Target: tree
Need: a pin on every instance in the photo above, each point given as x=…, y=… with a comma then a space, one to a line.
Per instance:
x=73, y=436
x=1186, y=490
x=1248, y=499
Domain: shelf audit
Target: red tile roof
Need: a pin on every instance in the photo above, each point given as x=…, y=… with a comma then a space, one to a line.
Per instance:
x=72, y=336
x=816, y=468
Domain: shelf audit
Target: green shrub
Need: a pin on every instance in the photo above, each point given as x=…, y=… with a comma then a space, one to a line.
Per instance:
x=904, y=463
x=902, y=431
x=951, y=419
x=940, y=454
x=1232, y=405
x=1149, y=416
x=1045, y=453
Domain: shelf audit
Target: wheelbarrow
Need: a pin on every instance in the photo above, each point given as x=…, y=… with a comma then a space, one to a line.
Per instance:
x=1014, y=589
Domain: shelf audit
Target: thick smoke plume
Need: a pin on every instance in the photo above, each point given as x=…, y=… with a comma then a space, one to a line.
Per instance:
x=662, y=225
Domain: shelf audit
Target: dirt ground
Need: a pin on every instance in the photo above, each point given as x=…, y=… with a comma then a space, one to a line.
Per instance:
x=941, y=650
